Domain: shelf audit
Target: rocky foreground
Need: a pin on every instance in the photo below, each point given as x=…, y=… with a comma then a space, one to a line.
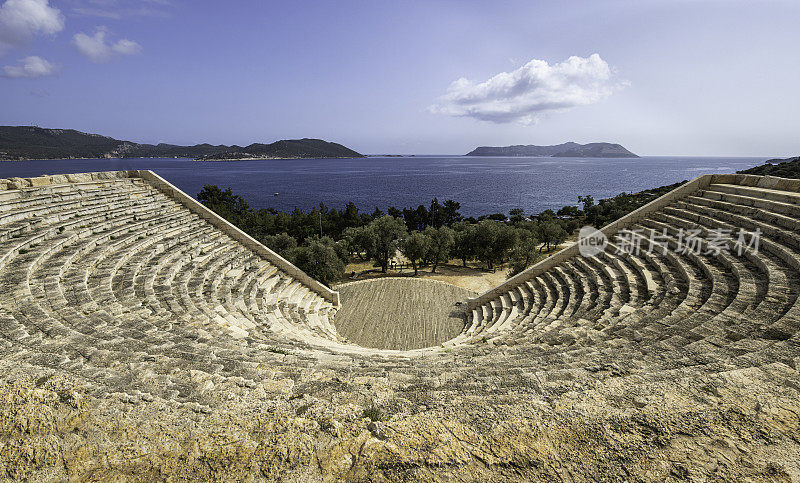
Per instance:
x=731, y=426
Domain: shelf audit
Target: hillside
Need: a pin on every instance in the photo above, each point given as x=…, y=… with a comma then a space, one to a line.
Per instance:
x=565, y=150
x=291, y=148
x=173, y=151
x=784, y=168
x=29, y=142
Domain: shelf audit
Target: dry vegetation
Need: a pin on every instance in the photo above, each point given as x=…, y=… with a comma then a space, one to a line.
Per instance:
x=400, y=313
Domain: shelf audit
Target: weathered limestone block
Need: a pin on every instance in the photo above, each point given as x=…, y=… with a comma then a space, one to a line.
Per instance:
x=59, y=179
x=79, y=177
x=39, y=181
x=18, y=183
x=109, y=174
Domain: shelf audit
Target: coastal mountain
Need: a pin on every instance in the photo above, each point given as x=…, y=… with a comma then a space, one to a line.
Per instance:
x=287, y=148
x=30, y=142
x=783, y=168
x=566, y=150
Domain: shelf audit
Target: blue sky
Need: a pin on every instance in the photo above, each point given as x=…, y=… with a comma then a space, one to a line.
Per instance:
x=660, y=77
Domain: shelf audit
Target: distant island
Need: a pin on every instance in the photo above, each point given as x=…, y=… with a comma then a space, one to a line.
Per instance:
x=286, y=149
x=566, y=150
x=31, y=142
x=782, y=168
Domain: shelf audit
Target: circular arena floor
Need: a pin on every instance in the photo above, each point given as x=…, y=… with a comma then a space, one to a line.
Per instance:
x=400, y=313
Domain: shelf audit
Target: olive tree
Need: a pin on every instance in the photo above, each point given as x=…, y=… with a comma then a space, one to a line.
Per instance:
x=525, y=252
x=385, y=233
x=282, y=243
x=414, y=247
x=464, y=242
x=442, y=240
x=493, y=240
x=319, y=260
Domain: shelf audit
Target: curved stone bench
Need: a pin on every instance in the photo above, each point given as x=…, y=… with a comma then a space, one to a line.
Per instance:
x=118, y=282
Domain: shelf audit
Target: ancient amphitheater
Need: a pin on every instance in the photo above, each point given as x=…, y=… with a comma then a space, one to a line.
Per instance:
x=143, y=338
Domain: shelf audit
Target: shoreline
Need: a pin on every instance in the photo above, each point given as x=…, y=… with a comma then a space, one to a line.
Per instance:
x=179, y=158
x=89, y=159
x=272, y=158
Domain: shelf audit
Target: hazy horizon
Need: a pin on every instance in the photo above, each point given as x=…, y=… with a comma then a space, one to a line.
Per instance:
x=662, y=78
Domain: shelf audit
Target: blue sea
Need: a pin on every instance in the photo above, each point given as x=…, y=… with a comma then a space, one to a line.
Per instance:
x=481, y=184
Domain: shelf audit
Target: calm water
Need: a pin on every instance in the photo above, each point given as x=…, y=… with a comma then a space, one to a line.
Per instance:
x=481, y=185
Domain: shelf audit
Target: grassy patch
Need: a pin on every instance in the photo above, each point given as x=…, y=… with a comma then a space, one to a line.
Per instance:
x=373, y=412
x=326, y=425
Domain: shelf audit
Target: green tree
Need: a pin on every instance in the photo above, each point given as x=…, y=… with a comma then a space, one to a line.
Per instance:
x=493, y=240
x=282, y=243
x=349, y=216
x=450, y=212
x=551, y=233
x=442, y=240
x=591, y=210
x=525, y=252
x=340, y=247
x=516, y=215
x=224, y=203
x=386, y=232
x=416, y=219
x=319, y=260
x=588, y=202
x=360, y=241
x=569, y=211
x=414, y=247
x=464, y=242
x=436, y=214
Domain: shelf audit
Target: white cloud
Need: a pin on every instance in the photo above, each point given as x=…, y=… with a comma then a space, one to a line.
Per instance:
x=30, y=67
x=530, y=91
x=97, y=12
x=117, y=9
x=21, y=20
x=126, y=47
x=98, y=50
